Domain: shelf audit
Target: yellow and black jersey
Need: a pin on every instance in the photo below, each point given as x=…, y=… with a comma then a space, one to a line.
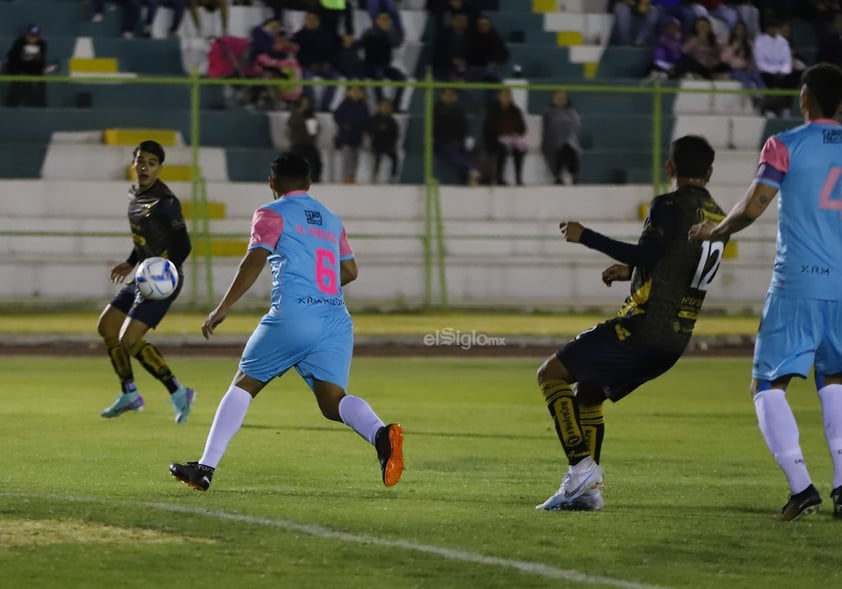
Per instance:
x=671, y=273
x=157, y=224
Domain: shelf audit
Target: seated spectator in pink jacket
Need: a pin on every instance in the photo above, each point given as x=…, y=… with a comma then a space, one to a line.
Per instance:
x=703, y=52
x=739, y=56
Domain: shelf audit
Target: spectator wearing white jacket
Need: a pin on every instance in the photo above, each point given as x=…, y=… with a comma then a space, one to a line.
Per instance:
x=773, y=57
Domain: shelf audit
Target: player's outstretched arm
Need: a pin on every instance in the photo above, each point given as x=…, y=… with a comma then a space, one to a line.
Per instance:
x=249, y=269
x=744, y=213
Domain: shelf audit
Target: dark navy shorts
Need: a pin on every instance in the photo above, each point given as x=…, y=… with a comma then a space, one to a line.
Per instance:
x=602, y=358
x=150, y=313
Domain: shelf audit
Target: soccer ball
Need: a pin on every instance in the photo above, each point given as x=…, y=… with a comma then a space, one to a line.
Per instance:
x=156, y=278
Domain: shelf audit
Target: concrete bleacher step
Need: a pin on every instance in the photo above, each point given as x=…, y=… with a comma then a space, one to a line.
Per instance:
x=92, y=65
x=166, y=137
x=78, y=161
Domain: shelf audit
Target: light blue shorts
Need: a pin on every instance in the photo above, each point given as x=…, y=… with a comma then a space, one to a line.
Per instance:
x=794, y=335
x=318, y=348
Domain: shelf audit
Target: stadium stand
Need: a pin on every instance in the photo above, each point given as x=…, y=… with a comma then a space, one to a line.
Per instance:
x=550, y=41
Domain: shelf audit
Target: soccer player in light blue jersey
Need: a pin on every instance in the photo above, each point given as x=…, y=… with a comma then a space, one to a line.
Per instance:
x=307, y=326
x=801, y=324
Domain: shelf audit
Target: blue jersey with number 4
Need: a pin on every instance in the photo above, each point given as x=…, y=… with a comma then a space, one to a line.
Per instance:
x=307, y=242
x=805, y=165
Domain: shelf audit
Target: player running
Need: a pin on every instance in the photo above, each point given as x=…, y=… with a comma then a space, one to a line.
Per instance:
x=307, y=326
x=669, y=277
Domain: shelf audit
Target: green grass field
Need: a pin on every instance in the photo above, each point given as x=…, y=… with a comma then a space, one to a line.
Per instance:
x=240, y=322
x=691, y=491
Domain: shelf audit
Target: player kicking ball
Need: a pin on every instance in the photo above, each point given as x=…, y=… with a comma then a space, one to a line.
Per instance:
x=307, y=326
x=669, y=277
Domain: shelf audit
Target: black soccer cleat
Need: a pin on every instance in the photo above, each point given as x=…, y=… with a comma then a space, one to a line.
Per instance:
x=836, y=497
x=803, y=503
x=389, y=444
x=193, y=474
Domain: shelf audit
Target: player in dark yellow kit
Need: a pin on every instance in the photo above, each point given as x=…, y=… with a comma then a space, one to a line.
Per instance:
x=669, y=277
x=158, y=229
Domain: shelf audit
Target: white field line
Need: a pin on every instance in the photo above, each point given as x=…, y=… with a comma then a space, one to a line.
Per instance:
x=531, y=568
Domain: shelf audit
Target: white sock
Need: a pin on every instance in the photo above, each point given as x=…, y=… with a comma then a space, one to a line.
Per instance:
x=229, y=417
x=780, y=430
x=831, y=397
x=358, y=415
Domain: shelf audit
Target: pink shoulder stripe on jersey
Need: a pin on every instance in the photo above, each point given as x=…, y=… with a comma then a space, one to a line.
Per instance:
x=775, y=154
x=344, y=246
x=266, y=228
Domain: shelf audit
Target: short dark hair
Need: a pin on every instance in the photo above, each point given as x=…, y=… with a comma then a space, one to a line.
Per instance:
x=824, y=85
x=691, y=156
x=290, y=167
x=152, y=147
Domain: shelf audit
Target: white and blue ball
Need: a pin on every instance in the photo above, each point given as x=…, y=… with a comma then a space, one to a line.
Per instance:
x=156, y=278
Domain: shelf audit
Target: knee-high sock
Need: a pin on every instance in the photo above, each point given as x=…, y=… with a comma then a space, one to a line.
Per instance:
x=229, y=417
x=593, y=428
x=357, y=414
x=152, y=360
x=564, y=409
x=831, y=397
x=780, y=430
x=121, y=362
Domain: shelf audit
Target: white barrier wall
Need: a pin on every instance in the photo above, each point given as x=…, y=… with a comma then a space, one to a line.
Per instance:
x=502, y=245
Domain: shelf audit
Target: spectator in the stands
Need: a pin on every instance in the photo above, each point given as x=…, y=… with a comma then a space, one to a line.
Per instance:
x=442, y=11
x=830, y=45
x=450, y=49
x=332, y=14
x=347, y=60
x=451, y=142
x=635, y=21
x=210, y=6
x=378, y=44
x=27, y=56
x=799, y=61
x=486, y=52
x=703, y=52
x=351, y=119
x=317, y=52
x=749, y=14
x=504, y=134
x=383, y=129
x=773, y=57
x=274, y=56
x=375, y=7
x=303, y=134
x=739, y=56
x=667, y=56
x=560, y=127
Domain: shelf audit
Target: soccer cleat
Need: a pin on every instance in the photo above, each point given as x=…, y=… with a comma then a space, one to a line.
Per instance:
x=195, y=475
x=803, y=503
x=124, y=402
x=389, y=444
x=590, y=500
x=181, y=401
x=577, y=481
x=836, y=497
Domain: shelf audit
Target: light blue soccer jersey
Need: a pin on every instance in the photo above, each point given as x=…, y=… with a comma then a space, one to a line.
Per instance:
x=307, y=242
x=805, y=164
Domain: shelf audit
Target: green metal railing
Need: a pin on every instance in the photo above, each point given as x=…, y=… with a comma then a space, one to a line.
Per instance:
x=433, y=238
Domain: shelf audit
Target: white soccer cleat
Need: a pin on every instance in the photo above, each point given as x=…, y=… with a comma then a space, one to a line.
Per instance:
x=578, y=480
